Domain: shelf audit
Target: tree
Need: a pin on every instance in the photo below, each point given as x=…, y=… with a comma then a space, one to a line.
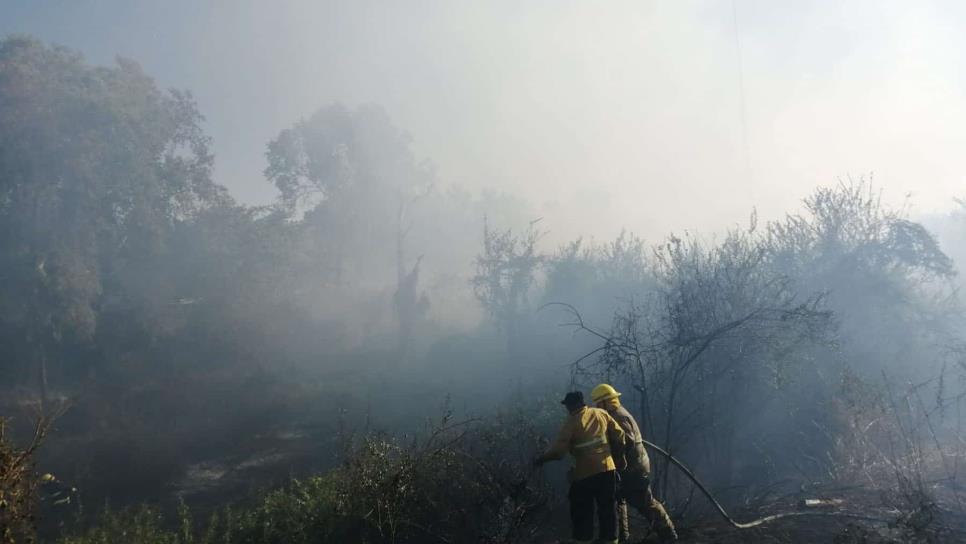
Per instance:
x=354, y=176
x=505, y=273
x=847, y=286
x=951, y=232
x=96, y=165
x=595, y=277
x=888, y=281
x=712, y=333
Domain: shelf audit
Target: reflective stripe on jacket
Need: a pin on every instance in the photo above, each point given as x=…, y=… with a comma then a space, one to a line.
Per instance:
x=587, y=435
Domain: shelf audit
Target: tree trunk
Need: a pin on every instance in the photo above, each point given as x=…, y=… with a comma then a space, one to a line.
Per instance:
x=404, y=327
x=668, y=428
x=645, y=422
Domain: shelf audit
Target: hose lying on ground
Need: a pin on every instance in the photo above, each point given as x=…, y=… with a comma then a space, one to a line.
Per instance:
x=754, y=523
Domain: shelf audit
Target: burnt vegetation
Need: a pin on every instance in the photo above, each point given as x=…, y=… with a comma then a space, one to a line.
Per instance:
x=354, y=363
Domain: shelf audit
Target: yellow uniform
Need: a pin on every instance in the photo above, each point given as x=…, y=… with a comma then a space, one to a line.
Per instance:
x=587, y=435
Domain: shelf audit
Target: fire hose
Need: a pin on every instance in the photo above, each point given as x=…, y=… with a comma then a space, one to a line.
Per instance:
x=756, y=522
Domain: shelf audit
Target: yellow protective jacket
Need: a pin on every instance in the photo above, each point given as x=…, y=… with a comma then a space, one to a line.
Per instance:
x=587, y=435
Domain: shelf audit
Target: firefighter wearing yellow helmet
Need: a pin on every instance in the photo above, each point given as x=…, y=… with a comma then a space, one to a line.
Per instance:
x=593, y=438
x=635, y=477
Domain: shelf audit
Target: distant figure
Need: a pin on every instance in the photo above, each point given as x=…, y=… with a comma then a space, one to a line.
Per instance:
x=587, y=435
x=635, y=476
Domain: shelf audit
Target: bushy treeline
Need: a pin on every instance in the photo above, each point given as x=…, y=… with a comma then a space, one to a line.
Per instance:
x=750, y=354
x=178, y=323
x=182, y=327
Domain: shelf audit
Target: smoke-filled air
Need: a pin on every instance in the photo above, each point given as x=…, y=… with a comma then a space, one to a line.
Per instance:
x=496, y=272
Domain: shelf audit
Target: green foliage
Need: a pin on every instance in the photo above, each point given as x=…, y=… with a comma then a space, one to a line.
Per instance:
x=16, y=495
x=304, y=512
x=506, y=272
x=143, y=525
x=354, y=176
x=343, y=157
x=459, y=482
x=18, y=486
x=301, y=513
x=147, y=525
x=96, y=165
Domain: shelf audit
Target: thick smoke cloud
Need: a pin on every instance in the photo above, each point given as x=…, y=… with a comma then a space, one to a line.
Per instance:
x=348, y=226
x=624, y=116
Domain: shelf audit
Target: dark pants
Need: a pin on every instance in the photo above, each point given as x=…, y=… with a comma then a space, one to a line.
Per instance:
x=635, y=490
x=599, y=490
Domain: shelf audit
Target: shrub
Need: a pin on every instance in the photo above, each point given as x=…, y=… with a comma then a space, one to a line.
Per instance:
x=18, y=484
x=464, y=481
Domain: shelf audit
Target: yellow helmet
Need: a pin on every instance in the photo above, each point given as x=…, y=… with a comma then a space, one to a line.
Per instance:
x=603, y=392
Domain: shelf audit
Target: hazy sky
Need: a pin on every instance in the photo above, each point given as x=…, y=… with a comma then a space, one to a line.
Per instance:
x=602, y=114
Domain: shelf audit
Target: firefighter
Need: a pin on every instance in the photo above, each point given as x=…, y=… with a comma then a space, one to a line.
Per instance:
x=635, y=486
x=587, y=435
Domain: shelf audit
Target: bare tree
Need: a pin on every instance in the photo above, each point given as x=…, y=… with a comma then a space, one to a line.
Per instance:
x=719, y=327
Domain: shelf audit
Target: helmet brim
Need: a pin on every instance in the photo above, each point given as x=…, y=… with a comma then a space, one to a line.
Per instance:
x=607, y=397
